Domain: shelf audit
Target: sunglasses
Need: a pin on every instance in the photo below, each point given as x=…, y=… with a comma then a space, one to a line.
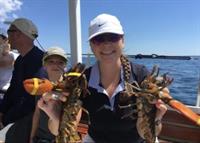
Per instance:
x=106, y=37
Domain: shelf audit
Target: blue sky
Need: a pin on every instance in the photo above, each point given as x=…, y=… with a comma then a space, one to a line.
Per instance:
x=169, y=27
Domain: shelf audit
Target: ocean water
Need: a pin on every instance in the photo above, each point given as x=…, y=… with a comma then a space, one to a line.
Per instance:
x=186, y=75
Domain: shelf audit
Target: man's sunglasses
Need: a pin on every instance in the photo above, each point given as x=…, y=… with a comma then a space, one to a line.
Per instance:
x=106, y=37
x=11, y=30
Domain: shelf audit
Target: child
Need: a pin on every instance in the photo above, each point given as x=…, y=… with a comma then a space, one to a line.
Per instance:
x=54, y=63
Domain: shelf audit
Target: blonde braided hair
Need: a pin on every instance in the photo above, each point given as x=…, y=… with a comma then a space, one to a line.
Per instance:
x=126, y=67
x=124, y=97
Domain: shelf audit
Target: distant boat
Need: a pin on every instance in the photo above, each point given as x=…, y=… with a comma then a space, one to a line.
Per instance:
x=155, y=56
x=195, y=57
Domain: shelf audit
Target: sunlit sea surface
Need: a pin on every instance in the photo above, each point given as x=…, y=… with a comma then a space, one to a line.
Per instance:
x=186, y=75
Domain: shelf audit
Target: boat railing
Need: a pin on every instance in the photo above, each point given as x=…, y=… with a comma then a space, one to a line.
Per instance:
x=198, y=95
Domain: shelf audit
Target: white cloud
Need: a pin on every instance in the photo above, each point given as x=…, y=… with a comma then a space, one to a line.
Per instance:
x=8, y=7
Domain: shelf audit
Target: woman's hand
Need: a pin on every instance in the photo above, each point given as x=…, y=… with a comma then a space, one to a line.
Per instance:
x=161, y=107
x=50, y=103
x=160, y=112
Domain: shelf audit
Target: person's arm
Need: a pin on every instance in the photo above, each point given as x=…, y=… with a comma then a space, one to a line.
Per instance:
x=6, y=61
x=53, y=108
x=35, y=123
x=7, y=58
x=53, y=125
x=161, y=110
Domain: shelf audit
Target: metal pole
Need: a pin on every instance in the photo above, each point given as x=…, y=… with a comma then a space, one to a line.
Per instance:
x=75, y=31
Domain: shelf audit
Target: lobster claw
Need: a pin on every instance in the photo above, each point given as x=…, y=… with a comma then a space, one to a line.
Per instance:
x=36, y=86
x=187, y=112
x=183, y=109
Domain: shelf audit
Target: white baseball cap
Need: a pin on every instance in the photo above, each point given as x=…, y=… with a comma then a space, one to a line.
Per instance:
x=104, y=23
x=55, y=51
x=26, y=26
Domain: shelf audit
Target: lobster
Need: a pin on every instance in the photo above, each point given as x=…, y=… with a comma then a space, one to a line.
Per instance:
x=75, y=83
x=151, y=89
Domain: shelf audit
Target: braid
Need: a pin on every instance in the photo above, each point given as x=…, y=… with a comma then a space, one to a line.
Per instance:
x=127, y=101
x=126, y=68
x=125, y=96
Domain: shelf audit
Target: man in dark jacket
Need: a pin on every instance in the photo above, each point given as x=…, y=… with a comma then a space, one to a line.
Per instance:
x=17, y=106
